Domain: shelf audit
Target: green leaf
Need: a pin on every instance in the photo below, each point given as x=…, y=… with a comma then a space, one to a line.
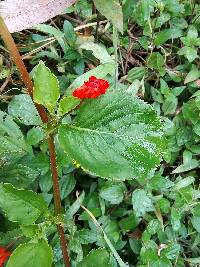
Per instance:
x=53, y=31
x=155, y=61
x=98, y=258
x=116, y=129
x=18, y=174
x=67, y=184
x=196, y=223
x=170, y=104
x=99, y=51
x=189, y=52
x=32, y=254
x=75, y=206
x=176, y=216
x=35, y=135
x=69, y=32
x=190, y=111
x=112, y=10
x=67, y=104
x=141, y=202
x=12, y=143
x=21, y=107
x=188, y=163
x=129, y=223
x=46, y=87
x=193, y=75
x=167, y=34
x=112, y=192
x=184, y=182
x=136, y=73
x=21, y=205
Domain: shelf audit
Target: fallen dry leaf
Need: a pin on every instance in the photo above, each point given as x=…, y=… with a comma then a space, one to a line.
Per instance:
x=23, y=14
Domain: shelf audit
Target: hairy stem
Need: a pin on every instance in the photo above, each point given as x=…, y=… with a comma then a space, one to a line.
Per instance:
x=9, y=42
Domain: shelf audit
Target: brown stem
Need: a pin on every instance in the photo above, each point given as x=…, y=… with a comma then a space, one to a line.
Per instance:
x=9, y=42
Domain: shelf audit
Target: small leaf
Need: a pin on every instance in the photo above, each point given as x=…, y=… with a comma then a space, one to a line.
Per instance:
x=141, y=202
x=170, y=104
x=99, y=51
x=167, y=34
x=193, y=75
x=189, y=52
x=155, y=61
x=129, y=223
x=112, y=10
x=70, y=34
x=75, y=206
x=184, y=182
x=136, y=73
x=32, y=254
x=112, y=192
x=67, y=104
x=20, y=205
x=46, y=87
x=98, y=258
x=188, y=163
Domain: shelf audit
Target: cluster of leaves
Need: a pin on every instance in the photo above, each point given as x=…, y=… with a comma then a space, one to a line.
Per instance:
x=153, y=218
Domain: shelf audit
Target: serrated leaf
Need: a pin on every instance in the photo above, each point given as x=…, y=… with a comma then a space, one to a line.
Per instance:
x=21, y=107
x=141, y=202
x=12, y=143
x=35, y=254
x=21, y=205
x=66, y=104
x=112, y=10
x=116, y=129
x=46, y=87
x=98, y=258
x=112, y=192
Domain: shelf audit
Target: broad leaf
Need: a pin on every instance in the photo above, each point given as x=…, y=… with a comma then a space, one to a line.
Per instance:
x=116, y=136
x=37, y=254
x=20, y=205
x=97, y=258
x=112, y=10
x=22, y=108
x=46, y=87
x=113, y=192
x=141, y=202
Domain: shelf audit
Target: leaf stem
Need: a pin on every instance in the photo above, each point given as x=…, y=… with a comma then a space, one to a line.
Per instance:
x=9, y=42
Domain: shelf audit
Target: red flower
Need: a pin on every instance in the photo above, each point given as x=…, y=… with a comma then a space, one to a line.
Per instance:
x=92, y=88
x=4, y=254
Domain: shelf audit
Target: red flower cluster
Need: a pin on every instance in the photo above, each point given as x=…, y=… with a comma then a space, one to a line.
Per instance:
x=92, y=88
x=4, y=254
